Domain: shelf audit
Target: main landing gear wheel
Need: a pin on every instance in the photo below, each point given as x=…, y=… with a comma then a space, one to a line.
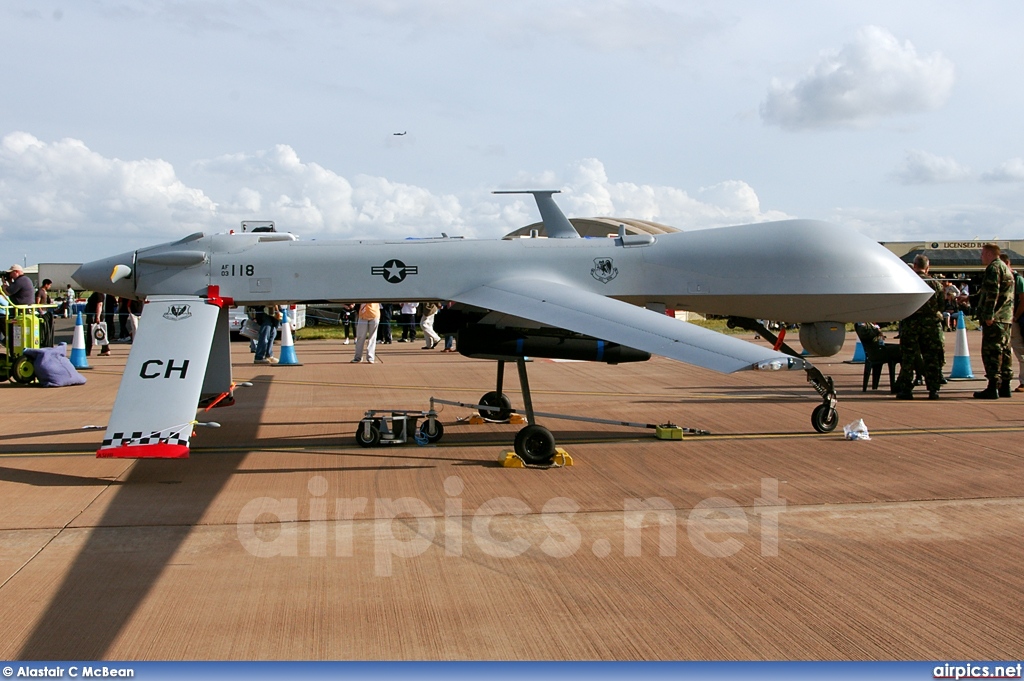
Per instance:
x=824, y=418
x=24, y=371
x=368, y=435
x=535, y=445
x=503, y=404
x=437, y=434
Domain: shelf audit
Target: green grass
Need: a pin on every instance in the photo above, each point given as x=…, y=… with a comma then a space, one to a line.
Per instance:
x=321, y=332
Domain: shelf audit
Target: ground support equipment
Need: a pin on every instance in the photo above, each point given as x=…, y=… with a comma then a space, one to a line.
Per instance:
x=398, y=426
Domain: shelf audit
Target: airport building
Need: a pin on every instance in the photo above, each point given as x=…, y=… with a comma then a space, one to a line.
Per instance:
x=954, y=258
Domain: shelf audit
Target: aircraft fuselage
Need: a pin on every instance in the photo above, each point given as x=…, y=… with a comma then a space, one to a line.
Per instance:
x=795, y=271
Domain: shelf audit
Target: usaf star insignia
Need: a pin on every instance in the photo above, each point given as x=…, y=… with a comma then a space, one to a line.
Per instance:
x=603, y=270
x=395, y=271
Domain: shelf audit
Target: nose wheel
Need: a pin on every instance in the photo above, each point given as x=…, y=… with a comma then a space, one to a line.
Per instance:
x=824, y=418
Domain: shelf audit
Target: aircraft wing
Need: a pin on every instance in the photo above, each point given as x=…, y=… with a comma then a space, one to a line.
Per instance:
x=155, y=408
x=612, y=320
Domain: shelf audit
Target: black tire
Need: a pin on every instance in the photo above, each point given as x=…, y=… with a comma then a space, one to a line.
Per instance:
x=493, y=399
x=24, y=371
x=824, y=419
x=312, y=321
x=535, y=445
x=368, y=440
x=438, y=431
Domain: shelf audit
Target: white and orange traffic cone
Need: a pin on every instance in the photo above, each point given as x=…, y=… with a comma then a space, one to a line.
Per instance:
x=287, y=357
x=961, y=356
x=78, y=358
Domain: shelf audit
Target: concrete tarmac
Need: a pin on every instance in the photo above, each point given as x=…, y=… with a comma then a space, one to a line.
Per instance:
x=280, y=538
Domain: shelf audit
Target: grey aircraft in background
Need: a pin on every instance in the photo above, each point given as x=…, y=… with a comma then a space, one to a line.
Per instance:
x=600, y=299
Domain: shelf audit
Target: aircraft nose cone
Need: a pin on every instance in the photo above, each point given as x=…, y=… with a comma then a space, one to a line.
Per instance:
x=95, y=275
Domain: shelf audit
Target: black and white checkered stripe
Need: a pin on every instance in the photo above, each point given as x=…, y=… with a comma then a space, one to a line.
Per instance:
x=170, y=436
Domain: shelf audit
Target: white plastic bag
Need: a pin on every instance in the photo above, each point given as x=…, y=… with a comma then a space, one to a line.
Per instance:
x=856, y=431
x=250, y=329
x=99, y=334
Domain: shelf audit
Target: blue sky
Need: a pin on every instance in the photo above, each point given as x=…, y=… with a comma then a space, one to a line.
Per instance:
x=130, y=123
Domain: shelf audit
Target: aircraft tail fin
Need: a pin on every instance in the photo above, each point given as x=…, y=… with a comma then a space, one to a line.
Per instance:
x=556, y=225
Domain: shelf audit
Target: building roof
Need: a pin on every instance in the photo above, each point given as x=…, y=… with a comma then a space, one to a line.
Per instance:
x=599, y=227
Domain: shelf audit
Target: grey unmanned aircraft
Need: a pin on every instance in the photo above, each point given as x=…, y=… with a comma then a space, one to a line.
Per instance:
x=563, y=297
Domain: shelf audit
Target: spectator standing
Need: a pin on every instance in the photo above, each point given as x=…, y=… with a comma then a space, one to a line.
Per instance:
x=123, y=335
x=45, y=314
x=69, y=302
x=269, y=318
x=5, y=305
x=427, y=324
x=134, y=312
x=384, y=327
x=407, y=320
x=110, y=315
x=949, y=314
x=348, y=321
x=367, y=320
x=449, y=338
x=19, y=288
x=93, y=315
x=43, y=294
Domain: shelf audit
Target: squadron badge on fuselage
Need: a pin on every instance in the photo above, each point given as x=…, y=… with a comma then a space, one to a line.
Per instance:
x=603, y=270
x=176, y=312
x=395, y=271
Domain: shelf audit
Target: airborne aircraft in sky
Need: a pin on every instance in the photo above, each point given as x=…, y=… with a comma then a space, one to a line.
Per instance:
x=601, y=299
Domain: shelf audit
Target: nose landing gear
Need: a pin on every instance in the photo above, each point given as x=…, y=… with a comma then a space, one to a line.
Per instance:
x=824, y=418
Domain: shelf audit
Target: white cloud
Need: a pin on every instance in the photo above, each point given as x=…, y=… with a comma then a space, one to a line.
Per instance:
x=951, y=222
x=311, y=200
x=591, y=193
x=921, y=167
x=1008, y=171
x=588, y=192
x=871, y=78
x=64, y=190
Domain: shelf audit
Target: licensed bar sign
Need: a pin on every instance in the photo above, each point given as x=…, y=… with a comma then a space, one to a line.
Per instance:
x=970, y=244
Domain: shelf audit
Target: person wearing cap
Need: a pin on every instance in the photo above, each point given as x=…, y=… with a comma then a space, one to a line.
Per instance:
x=19, y=288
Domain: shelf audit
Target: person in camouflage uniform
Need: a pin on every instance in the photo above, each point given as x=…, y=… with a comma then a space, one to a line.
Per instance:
x=921, y=340
x=1016, y=338
x=994, y=310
